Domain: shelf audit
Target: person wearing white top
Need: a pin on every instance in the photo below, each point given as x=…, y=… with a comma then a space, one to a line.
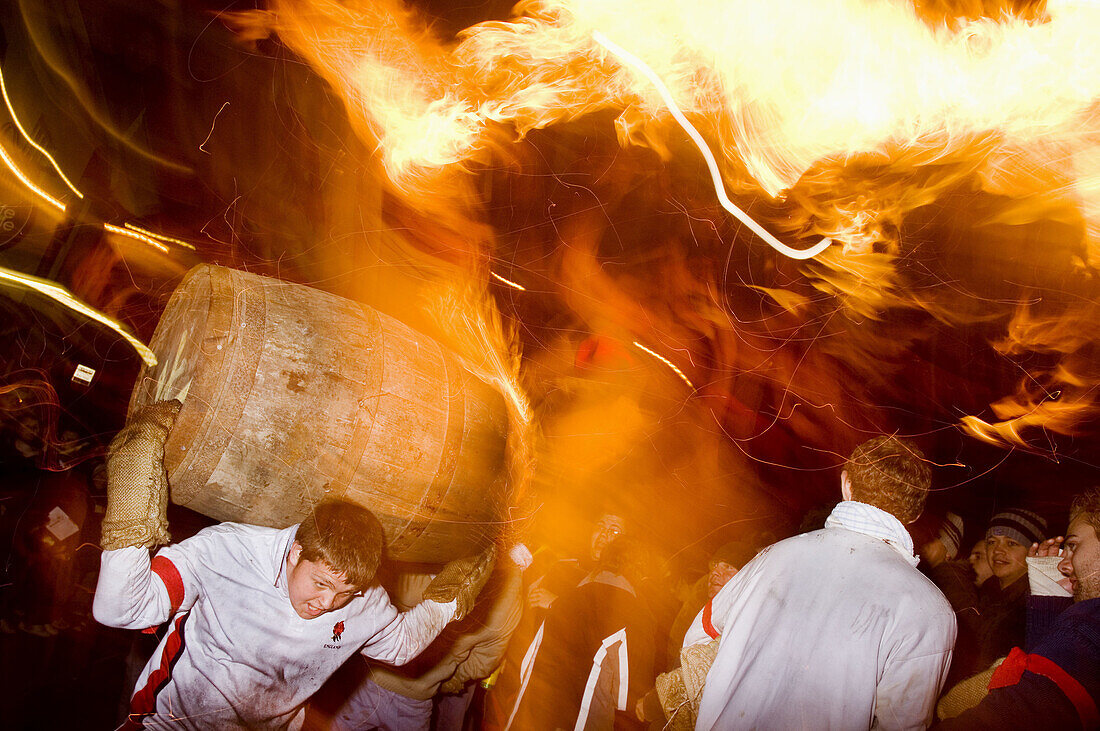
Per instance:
x=834, y=629
x=261, y=617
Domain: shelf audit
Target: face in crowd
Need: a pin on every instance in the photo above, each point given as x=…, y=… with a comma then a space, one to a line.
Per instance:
x=607, y=530
x=719, y=575
x=1007, y=558
x=1081, y=560
x=979, y=562
x=314, y=587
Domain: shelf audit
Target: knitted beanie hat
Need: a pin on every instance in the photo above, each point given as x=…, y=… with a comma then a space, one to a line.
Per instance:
x=951, y=534
x=1022, y=526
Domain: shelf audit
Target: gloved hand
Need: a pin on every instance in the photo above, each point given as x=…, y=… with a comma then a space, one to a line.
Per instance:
x=462, y=580
x=137, y=486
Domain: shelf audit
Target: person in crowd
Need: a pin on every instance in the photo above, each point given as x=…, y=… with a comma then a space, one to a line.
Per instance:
x=1057, y=683
x=434, y=689
x=955, y=580
x=546, y=578
x=592, y=657
x=834, y=628
x=979, y=563
x=260, y=616
x=723, y=565
x=1002, y=600
x=659, y=706
x=564, y=574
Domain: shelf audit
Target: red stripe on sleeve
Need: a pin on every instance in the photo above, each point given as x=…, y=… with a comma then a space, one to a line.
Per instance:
x=1078, y=696
x=170, y=575
x=707, y=626
x=1018, y=661
x=144, y=701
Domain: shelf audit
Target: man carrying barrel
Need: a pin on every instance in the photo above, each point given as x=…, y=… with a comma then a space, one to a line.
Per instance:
x=261, y=617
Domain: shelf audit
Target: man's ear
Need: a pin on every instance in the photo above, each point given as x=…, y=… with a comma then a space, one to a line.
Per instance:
x=845, y=485
x=295, y=553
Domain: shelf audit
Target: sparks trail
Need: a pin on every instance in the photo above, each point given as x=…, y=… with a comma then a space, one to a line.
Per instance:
x=712, y=165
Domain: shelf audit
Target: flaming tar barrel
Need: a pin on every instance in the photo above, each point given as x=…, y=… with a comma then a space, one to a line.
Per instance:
x=291, y=395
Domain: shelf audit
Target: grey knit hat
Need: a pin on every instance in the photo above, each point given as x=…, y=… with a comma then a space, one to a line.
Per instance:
x=1022, y=526
x=951, y=534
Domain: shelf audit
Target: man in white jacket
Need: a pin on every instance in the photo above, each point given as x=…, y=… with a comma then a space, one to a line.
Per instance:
x=834, y=629
x=261, y=616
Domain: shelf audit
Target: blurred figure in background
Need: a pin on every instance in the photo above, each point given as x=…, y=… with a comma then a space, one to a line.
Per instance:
x=723, y=565
x=657, y=706
x=592, y=657
x=979, y=563
x=955, y=578
x=48, y=530
x=548, y=577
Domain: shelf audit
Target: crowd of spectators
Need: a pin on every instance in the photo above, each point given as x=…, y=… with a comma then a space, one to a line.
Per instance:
x=876, y=619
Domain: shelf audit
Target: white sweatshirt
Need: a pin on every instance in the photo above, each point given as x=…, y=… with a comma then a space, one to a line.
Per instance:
x=833, y=629
x=237, y=655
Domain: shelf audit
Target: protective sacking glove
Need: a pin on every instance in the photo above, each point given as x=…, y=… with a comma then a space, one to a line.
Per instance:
x=461, y=580
x=137, y=486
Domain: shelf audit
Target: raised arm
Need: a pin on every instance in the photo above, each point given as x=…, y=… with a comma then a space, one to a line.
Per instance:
x=130, y=594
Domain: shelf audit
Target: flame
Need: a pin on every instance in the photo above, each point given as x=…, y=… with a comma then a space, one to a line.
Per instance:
x=782, y=84
x=847, y=117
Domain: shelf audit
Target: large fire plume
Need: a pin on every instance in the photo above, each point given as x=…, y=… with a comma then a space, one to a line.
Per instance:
x=848, y=119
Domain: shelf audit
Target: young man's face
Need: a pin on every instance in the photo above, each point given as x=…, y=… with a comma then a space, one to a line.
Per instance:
x=607, y=530
x=314, y=587
x=1081, y=562
x=1007, y=559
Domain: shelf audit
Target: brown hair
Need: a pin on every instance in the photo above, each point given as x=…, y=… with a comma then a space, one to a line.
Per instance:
x=344, y=536
x=1086, y=505
x=891, y=474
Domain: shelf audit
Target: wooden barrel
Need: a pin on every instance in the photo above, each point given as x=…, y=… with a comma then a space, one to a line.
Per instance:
x=291, y=395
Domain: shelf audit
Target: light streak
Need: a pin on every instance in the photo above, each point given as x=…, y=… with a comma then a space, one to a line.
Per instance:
x=136, y=236
x=26, y=181
x=712, y=165
x=63, y=296
x=667, y=362
x=27, y=137
x=211, y=132
x=509, y=282
x=158, y=237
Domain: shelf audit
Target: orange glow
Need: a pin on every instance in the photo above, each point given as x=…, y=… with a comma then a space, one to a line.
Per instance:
x=712, y=164
x=843, y=117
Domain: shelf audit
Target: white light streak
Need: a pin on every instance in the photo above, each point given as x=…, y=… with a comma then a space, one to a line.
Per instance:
x=509, y=282
x=668, y=363
x=719, y=186
x=26, y=181
x=27, y=137
x=65, y=297
x=136, y=236
x=158, y=237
